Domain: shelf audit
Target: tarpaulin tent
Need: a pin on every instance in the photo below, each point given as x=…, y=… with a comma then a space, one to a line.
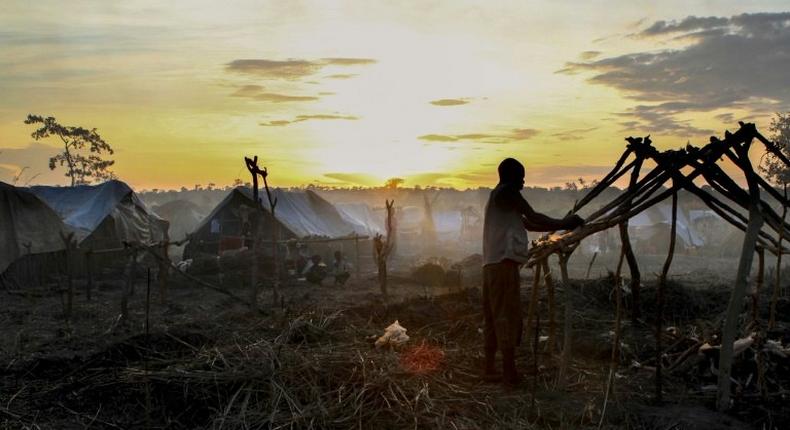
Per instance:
x=104, y=216
x=652, y=227
x=363, y=219
x=183, y=216
x=27, y=226
x=299, y=214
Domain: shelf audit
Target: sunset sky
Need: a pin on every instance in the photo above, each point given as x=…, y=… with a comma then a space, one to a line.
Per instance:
x=353, y=92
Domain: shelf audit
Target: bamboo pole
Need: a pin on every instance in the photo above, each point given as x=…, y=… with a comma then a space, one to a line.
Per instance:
x=662, y=283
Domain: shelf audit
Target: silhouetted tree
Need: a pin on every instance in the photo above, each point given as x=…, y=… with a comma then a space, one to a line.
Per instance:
x=775, y=169
x=393, y=183
x=82, y=150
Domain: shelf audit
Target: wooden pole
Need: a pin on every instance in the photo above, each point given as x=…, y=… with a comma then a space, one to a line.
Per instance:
x=532, y=309
x=88, y=274
x=255, y=220
x=552, y=309
x=69, y=244
x=356, y=255
x=735, y=305
x=777, y=281
x=589, y=266
x=567, y=338
x=662, y=283
x=633, y=265
x=758, y=286
x=164, y=272
x=130, y=267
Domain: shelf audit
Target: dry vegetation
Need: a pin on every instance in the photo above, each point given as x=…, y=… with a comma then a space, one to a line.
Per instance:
x=209, y=362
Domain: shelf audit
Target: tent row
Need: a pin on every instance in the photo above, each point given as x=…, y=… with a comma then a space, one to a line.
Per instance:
x=103, y=217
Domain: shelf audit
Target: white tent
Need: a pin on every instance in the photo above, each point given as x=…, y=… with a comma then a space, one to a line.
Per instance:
x=644, y=223
x=363, y=219
x=27, y=225
x=104, y=216
x=302, y=213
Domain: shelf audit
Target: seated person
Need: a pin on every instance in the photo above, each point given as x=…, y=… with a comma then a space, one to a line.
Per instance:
x=316, y=270
x=340, y=269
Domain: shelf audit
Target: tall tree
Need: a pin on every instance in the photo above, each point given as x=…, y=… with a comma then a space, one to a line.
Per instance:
x=774, y=168
x=83, y=150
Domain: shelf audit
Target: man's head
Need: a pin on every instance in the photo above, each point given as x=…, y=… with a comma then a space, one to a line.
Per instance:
x=511, y=172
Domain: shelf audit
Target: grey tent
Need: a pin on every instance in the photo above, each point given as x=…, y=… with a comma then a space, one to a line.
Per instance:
x=299, y=214
x=183, y=216
x=104, y=216
x=363, y=219
x=27, y=226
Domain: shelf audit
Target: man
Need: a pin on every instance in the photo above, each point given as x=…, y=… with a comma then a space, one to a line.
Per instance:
x=507, y=215
x=316, y=270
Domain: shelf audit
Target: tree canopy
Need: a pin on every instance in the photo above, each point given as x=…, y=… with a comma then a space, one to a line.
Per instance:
x=83, y=150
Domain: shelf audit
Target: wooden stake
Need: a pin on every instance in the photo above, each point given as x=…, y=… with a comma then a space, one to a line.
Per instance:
x=567, y=331
x=758, y=286
x=589, y=266
x=356, y=255
x=742, y=278
x=662, y=283
x=777, y=281
x=552, y=311
x=734, y=307
x=131, y=267
x=69, y=243
x=88, y=274
x=533, y=298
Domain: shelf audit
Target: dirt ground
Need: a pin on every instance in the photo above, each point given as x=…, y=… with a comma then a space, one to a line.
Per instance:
x=209, y=361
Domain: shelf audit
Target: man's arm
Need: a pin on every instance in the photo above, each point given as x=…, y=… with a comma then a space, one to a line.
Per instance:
x=533, y=220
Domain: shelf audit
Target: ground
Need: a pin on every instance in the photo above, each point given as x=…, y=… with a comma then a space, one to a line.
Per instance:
x=208, y=361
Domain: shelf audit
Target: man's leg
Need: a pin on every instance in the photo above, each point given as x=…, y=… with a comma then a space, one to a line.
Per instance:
x=511, y=308
x=489, y=332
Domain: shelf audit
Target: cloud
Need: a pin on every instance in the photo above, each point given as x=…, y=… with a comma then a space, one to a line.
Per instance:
x=302, y=118
x=348, y=61
x=341, y=76
x=514, y=135
x=362, y=179
x=258, y=92
x=728, y=63
x=438, y=138
x=449, y=102
x=589, y=55
x=290, y=69
x=573, y=134
x=727, y=118
x=688, y=24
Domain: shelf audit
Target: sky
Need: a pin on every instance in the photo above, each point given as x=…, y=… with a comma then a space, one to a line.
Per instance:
x=350, y=93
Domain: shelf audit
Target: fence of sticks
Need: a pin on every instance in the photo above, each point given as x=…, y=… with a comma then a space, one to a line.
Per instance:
x=674, y=170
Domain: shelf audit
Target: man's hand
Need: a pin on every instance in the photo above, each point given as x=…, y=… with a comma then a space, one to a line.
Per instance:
x=573, y=221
